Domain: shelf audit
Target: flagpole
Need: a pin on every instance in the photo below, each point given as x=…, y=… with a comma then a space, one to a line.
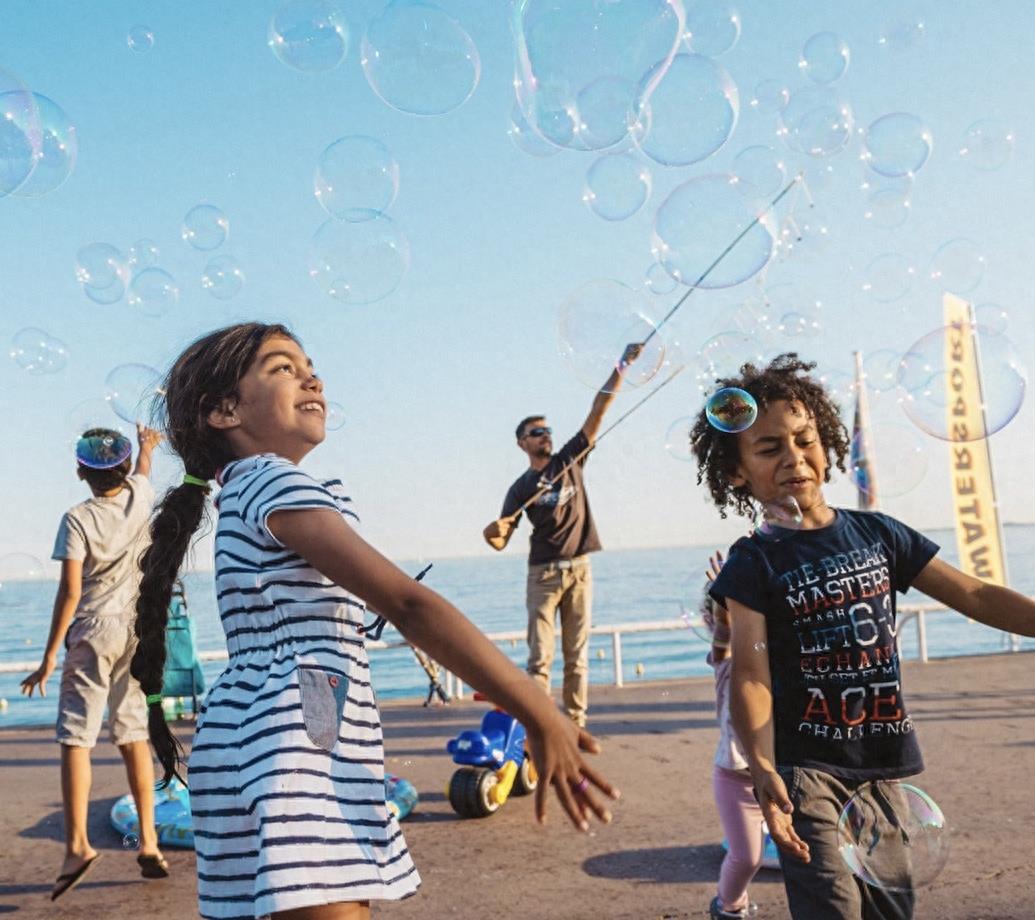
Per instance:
x=867, y=498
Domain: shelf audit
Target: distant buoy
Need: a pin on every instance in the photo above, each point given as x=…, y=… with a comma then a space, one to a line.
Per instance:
x=3, y=704
x=640, y=669
x=601, y=654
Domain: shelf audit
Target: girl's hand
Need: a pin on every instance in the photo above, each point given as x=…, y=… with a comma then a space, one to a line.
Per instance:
x=555, y=749
x=38, y=678
x=777, y=810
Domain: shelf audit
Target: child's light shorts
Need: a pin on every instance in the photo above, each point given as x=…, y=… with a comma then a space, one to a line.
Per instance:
x=96, y=670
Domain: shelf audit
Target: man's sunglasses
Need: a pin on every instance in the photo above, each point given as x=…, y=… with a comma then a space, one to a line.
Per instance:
x=538, y=432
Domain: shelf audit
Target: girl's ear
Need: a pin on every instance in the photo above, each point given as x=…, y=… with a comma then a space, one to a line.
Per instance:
x=224, y=416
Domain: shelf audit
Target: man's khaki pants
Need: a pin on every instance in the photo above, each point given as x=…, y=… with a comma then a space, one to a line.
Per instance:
x=566, y=587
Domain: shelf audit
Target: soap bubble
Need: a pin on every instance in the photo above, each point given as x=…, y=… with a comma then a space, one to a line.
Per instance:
x=102, y=451
x=131, y=390
x=889, y=277
x=935, y=397
x=897, y=144
x=723, y=355
x=335, y=416
x=824, y=58
x=38, y=352
x=760, y=171
x=987, y=145
x=309, y=35
x=712, y=27
x=131, y=842
x=692, y=112
x=59, y=148
x=659, y=281
x=357, y=178
x=958, y=266
x=596, y=323
x=793, y=309
x=20, y=574
x=358, y=263
x=580, y=80
x=770, y=96
x=817, y=121
x=420, y=60
x=893, y=836
x=898, y=455
x=902, y=35
x=205, y=227
x=617, y=185
x=881, y=369
x=525, y=138
x=888, y=203
x=698, y=221
x=142, y=254
x=992, y=316
x=93, y=413
x=140, y=39
x=21, y=137
x=100, y=265
x=677, y=440
x=731, y=410
x=223, y=277
x=153, y=292
x=774, y=518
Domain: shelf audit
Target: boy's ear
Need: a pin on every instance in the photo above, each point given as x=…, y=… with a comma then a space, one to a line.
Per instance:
x=224, y=415
x=736, y=478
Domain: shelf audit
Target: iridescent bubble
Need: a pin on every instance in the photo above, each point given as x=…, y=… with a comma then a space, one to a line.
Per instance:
x=131, y=391
x=357, y=178
x=760, y=171
x=889, y=277
x=358, y=263
x=335, y=416
x=142, y=254
x=659, y=281
x=38, y=352
x=712, y=27
x=677, y=441
x=20, y=574
x=597, y=322
x=525, y=138
x=580, y=80
x=892, y=835
x=693, y=111
x=140, y=39
x=153, y=292
x=731, y=410
x=958, y=266
x=897, y=144
x=778, y=518
x=987, y=145
x=617, y=185
x=131, y=842
x=770, y=96
x=309, y=35
x=887, y=460
x=881, y=369
x=100, y=265
x=21, y=137
x=696, y=224
x=824, y=58
x=223, y=277
x=935, y=397
x=205, y=227
x=992, y=316
x=817, y=121
x=888, y=204
x=59, y=148
x=420, y=60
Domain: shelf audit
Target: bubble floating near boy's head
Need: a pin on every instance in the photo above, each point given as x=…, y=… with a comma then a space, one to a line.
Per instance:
x=102, y=449
x=731, y=410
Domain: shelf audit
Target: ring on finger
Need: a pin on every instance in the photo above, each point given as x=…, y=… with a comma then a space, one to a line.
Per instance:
x=581, y=786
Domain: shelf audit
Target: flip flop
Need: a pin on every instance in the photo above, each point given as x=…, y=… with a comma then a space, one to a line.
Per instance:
x=153, y=866
x=69, y=880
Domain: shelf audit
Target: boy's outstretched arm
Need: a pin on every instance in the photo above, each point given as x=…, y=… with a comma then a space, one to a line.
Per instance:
x=147, y=439
x=70, y=589
x=993, y=605
x=751, y=706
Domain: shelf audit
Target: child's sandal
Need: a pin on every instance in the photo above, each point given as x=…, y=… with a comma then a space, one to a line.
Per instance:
x=153, y=866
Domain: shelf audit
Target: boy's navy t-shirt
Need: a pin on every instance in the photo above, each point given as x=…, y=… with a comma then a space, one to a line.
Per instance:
x=828, y=597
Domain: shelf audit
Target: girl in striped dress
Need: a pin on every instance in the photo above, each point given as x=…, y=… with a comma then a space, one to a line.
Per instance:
x=287, y=767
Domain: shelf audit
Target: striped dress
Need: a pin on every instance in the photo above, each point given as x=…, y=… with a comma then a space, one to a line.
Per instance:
x=287, y=768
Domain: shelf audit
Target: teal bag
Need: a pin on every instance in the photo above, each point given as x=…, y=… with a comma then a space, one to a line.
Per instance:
x=182, y=675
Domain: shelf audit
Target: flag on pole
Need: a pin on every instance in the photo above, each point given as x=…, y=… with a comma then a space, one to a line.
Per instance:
x=861, y=454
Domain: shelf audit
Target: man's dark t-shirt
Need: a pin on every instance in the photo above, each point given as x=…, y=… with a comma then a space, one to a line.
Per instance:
x=828, y=597
x=562, y=524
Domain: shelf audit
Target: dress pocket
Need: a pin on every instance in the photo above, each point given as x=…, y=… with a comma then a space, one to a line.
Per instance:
x=323, y=704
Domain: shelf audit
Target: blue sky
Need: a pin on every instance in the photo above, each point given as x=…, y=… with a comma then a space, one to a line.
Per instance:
x=434, y=377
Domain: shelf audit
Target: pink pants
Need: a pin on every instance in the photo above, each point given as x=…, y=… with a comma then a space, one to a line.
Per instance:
x=742, y=824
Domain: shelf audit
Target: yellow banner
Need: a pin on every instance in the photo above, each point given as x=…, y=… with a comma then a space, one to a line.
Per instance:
x=978, y=534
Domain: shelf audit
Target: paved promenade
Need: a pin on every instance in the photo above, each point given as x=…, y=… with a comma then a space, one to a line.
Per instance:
x=660, y=857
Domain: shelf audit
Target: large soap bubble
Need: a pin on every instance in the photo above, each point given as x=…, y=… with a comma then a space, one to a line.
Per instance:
x=987, y=145
x=617, y=185
x=359, y=262
x=699, y=221
x=20, y=574
x=309, y=35
x=142, y=254
x=760, y=171
x=153, y=292
x=888, y=202
x=770, y=95
x=692, y=111
x=889, y=277
x=817, y=121
x=140, y=39
x=21, y=139
x=824, y=58
x=38, y=352
x=897, y=144
x=958, y=266
x=356, y=178
x=223, y=277
x=587, y=69
x=712, y=27
x=898, y=454
x=934, y=388
x=59, y=148
x=205, y=227
x=525, y=138
x=99, y=264
x=419, y=59
x=723, y=355
x=597, y=322
x=132, y=390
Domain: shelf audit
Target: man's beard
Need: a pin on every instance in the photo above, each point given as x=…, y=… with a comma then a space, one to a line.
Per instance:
x=544, y=452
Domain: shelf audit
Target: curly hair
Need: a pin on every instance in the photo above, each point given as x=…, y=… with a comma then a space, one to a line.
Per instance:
x=784, y=378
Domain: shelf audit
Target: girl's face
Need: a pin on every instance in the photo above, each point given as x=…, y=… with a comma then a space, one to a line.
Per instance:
x=280, y=406
x=781, y=455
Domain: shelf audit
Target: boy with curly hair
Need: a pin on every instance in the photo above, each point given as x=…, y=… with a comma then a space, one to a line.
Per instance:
x=816, y=687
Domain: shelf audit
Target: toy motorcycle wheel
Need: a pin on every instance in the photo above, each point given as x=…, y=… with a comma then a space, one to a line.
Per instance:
x=469, y=792
x=527, y=779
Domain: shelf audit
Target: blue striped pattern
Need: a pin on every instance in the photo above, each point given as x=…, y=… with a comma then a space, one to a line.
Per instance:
x=281, y=822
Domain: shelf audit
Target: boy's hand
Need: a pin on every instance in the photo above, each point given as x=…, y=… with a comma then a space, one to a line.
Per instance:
x=38, y=678
x=776, y=810
x=714, y=566
x=147, y=438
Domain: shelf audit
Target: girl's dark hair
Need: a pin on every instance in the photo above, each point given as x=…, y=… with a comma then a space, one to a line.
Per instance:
x=209, y=371
x=784, y=378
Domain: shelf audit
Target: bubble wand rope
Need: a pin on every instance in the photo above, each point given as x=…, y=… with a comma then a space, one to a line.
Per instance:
x=546, y=484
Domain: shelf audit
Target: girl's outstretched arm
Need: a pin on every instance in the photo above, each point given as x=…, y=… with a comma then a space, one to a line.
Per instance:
x=993, y=605
x=430, y=622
